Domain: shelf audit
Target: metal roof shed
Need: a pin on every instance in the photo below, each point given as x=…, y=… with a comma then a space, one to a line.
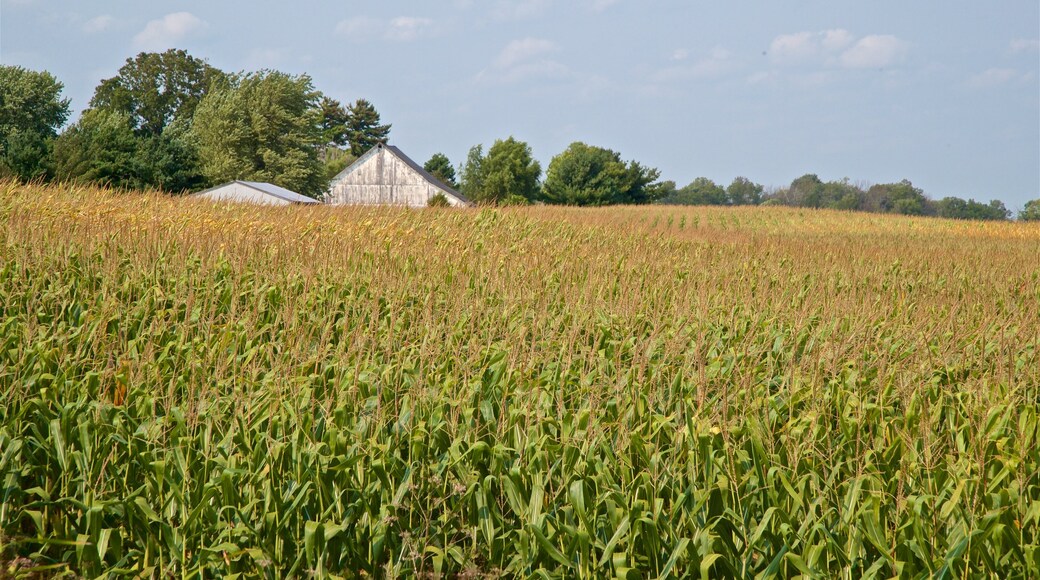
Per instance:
x=253, y=192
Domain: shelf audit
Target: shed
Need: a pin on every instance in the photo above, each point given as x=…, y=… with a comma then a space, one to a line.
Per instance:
x=253, y=192
x=384, y=175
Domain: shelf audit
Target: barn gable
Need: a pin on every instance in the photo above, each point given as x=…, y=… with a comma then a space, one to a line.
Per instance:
x=253, y=192
x=384, y=175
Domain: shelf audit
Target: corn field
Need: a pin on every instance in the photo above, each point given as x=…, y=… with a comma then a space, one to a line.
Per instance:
x=200, y=390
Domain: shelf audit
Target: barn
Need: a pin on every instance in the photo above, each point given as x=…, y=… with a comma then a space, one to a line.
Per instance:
x=386, y=176
x=253, y=192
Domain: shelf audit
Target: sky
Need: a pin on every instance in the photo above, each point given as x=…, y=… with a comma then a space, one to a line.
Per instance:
x=944, y=93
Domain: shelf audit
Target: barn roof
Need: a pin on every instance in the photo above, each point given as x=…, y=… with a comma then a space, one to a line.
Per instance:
x=407, y=161
x=268, y=189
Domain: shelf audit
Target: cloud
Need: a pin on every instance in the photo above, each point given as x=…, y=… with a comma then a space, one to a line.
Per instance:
x=524, y=49
x=836, y=39
x=874, y=51
x=168, y=30
x=836, y=48
x=718, y=61
x=407, y=28
x=400, y=29
x=1025, y=45
x=519, y=9
x=600, y=5
x=525, y=59
x=98, y=24
x=794, y=48
x=358, y=27
x=993, y=77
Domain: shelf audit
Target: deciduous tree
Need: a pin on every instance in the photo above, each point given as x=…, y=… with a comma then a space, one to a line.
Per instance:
x=265, y=127
x=153, y=89
x=1031, y=211
x=589, y=175
x=31, y=112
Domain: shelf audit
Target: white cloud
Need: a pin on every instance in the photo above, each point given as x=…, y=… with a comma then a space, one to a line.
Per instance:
x=359, y=28
x=836, y=39
x=98, y=24
x=874, y=51
x=680, y=54
x=525, y=59
x=718, y=61
x=524, y=49
x=993, y=77
x=406, y=28
x=794, y=48
x=400, y=29
x=1025, y=45
x=519, y=9
x=168, y=30
x=836, y=47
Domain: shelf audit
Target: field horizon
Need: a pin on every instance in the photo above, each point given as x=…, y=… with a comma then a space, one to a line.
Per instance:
x=190, y=388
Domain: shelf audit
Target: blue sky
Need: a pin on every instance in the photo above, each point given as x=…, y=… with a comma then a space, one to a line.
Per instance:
x=945, y=93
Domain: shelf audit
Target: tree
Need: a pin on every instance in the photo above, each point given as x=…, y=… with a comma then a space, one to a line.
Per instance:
x=100, y=148
x=1031, y=212
x=588, y=175
x=363, y=128
x=743, y=191
x=902, y=198
x=471, y=174
x=508, y=171
x=701, y=191
x=804, y=191
x=154, y=89
x=31, y=112
x=957, y=208
x=333, y=124
x=440, y=167
x=263, y=126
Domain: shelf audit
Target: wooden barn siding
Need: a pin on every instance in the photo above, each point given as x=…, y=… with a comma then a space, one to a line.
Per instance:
x=384, y=180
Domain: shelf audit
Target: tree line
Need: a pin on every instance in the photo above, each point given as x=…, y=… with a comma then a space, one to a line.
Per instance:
x=173, y=122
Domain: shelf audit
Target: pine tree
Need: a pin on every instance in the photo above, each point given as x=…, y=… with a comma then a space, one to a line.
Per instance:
x=363, y=128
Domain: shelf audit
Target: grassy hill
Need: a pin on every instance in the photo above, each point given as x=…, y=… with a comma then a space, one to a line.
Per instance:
x=189, y=388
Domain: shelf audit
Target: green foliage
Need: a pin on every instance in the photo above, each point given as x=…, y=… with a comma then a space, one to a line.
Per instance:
x=957, y=208
x=507, y=171
x=31, y=112
x=589, y=175
x=263, y=127
x=743, y=191
x=103, y=148
x=363, y=130
x=902, y=198
x=471, y=178
x=336, y=160
x=100, y=148
x=440, y=167
x=198, y=391
x=1031, y=211
x=333, y=123
x=438, y=200
x=155, y=89
x=701, y=191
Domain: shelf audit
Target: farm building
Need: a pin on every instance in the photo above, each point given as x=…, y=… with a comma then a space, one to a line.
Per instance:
x=386, y=176
x=253, y=192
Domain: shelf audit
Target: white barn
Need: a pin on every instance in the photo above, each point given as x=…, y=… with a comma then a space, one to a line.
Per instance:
x=386, y=176
x=253, y=192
